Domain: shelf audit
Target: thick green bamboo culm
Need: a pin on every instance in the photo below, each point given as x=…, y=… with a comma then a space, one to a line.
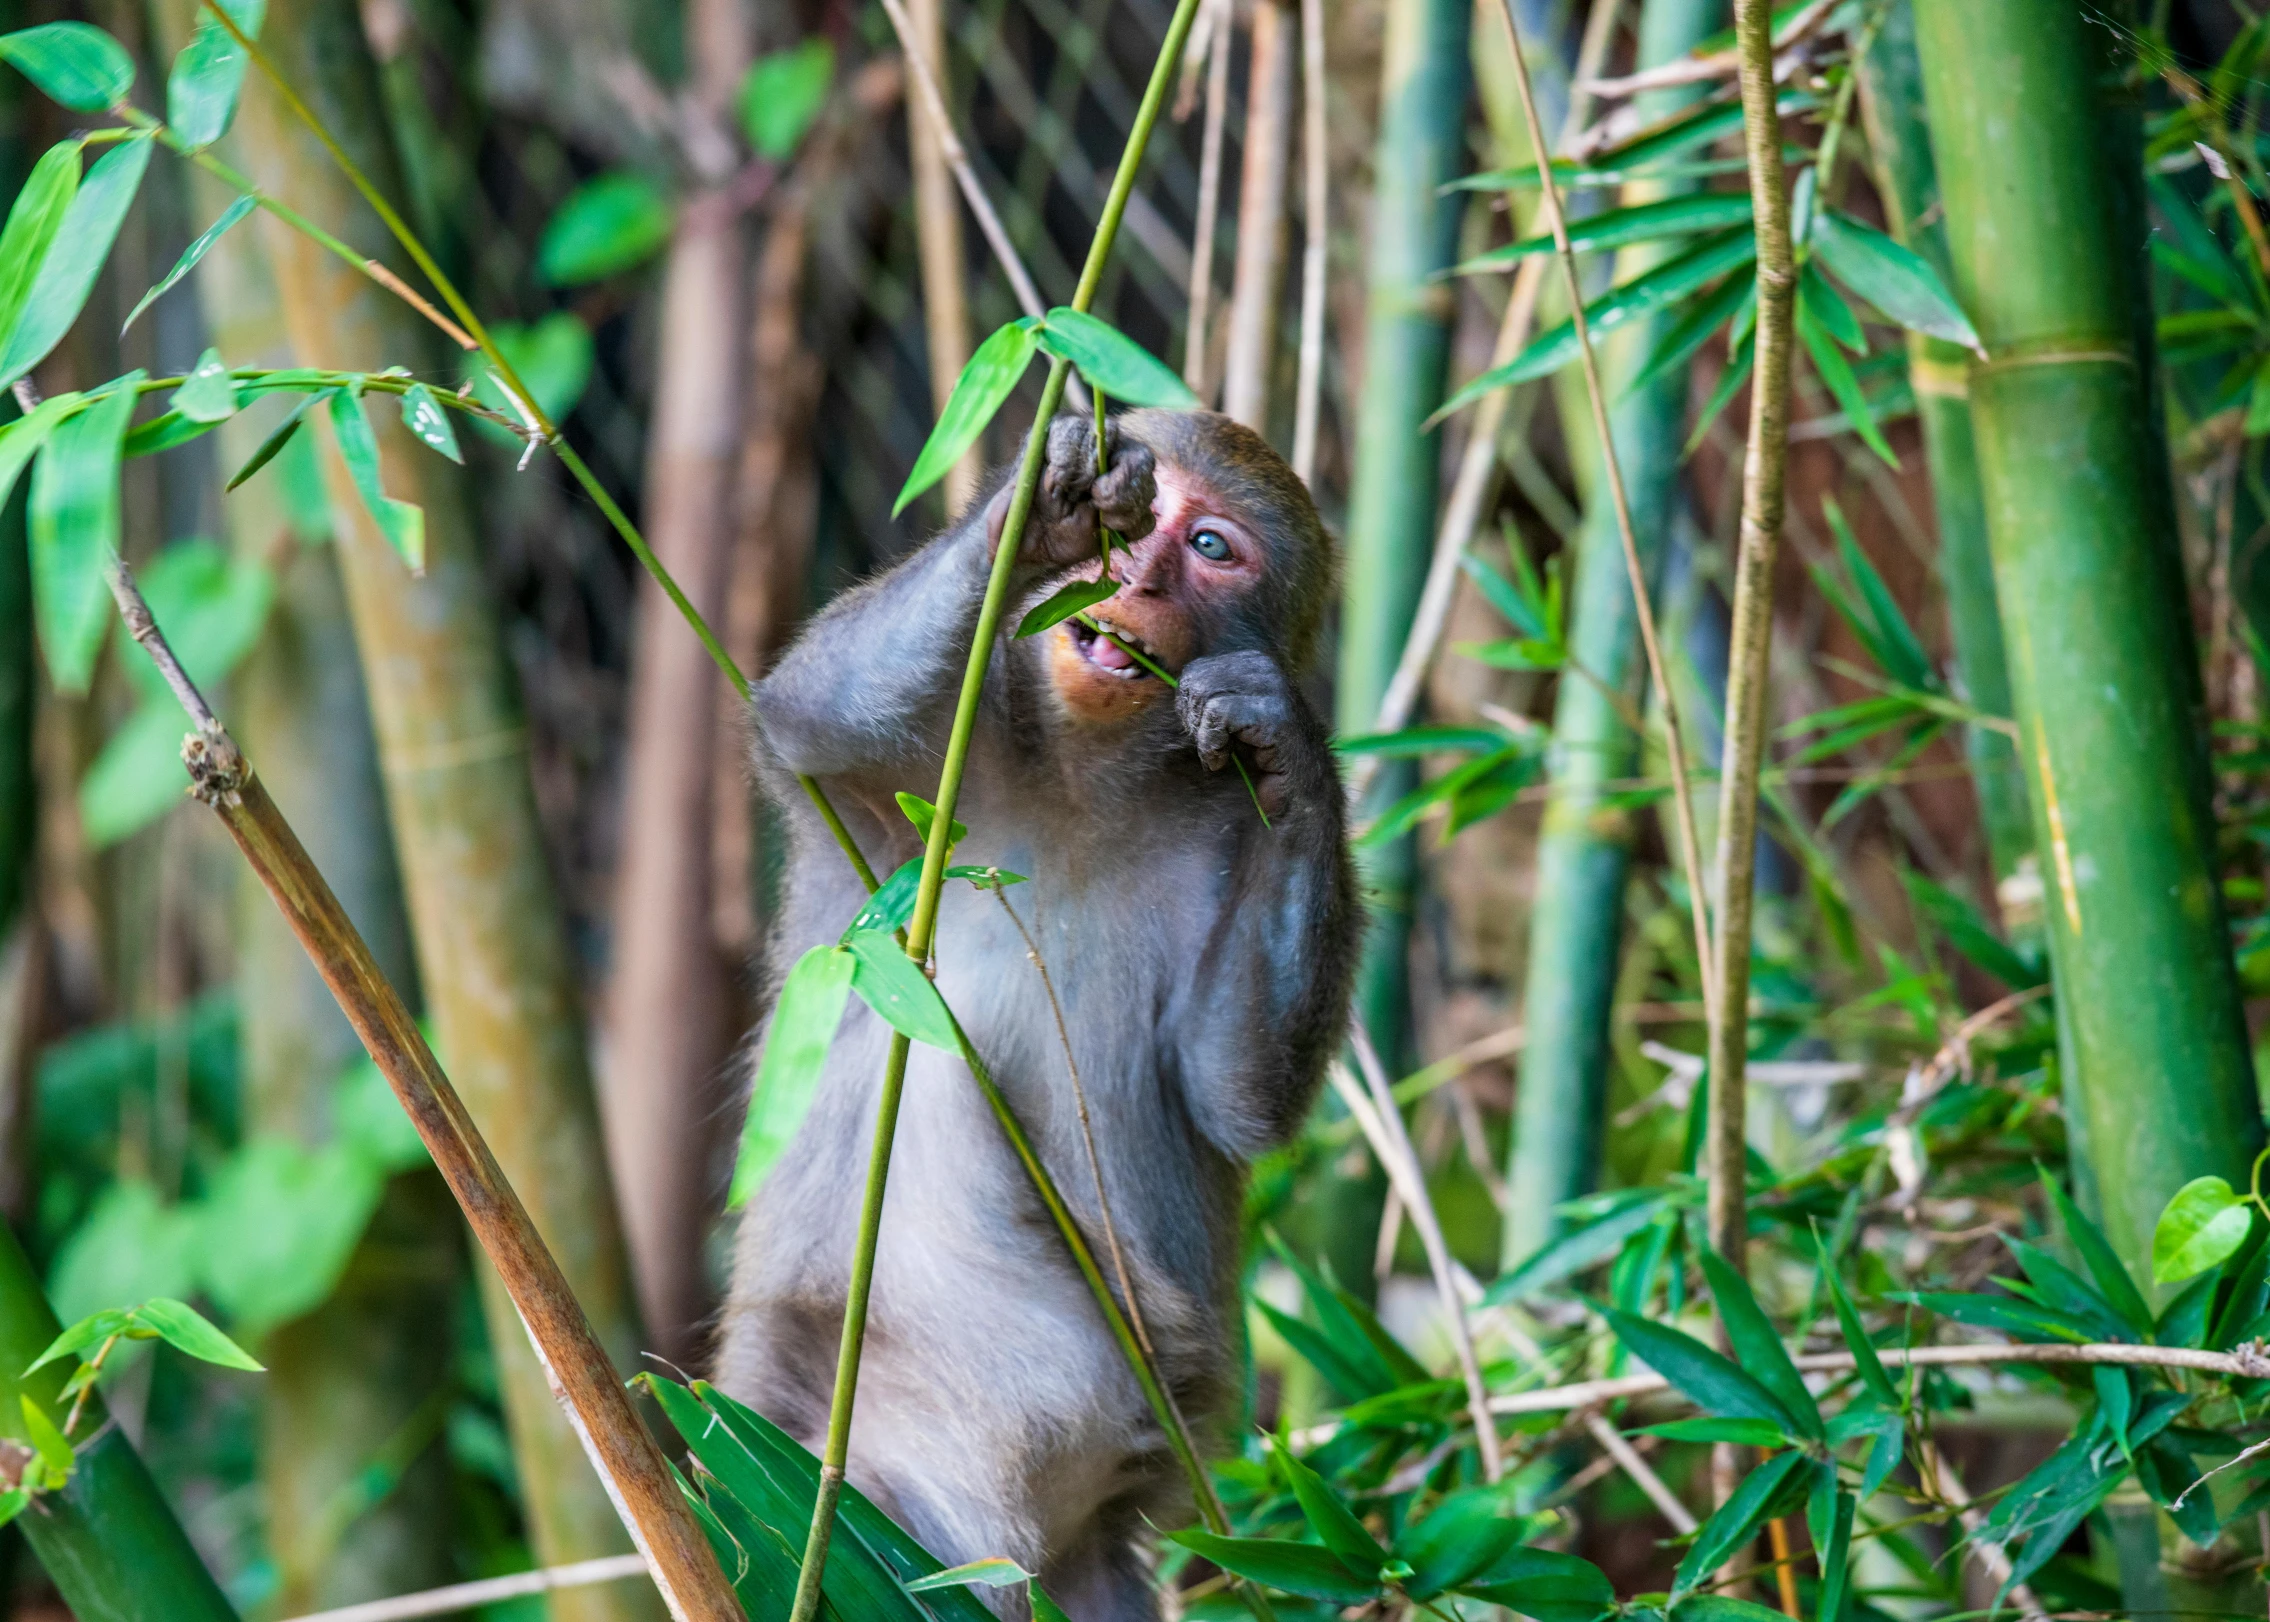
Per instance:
x=108, y=1541
x=921, y=928
x=1907, y=180
x=1425, y=72
x=1584, y=852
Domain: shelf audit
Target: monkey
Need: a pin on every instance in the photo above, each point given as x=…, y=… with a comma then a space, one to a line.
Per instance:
x=1200, y=936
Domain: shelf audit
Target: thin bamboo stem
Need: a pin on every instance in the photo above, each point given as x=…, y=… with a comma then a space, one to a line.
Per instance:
x=1195, y=329
x=1674, y=735
x=1257, y=279
x=922, y=927
x=1728, y=988
x=1316, y=176
x=582, y=1376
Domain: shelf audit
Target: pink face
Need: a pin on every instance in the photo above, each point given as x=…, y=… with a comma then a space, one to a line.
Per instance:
x=1196, y=557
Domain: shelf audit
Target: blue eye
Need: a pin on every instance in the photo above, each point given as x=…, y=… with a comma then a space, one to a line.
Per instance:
x=1210, y=545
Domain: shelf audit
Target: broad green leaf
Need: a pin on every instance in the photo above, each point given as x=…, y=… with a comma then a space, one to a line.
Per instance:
x=208, y=76
x=74, y=532
x=1459, y=1537
x=278, y=1226
x=1836, y=374
x=993, y=1573
x=892, y=905
x=1717, y=1384
x=1062, y=605
x=1751, y=1505
x=1745, y=1432
x=1892, y=278
x=1619, y=227
x=1866, y=1363
x=783, y=93
x=1332, y=1521
x=88, y=1331
x=2102, y=1261
x=1544, y=1585
x=923, y=814
x=403, y=523
x=984, y=386
x=67, y=275
x=1114, y=362
x=1757, y=1344
x=138, y=777
x=804, y=1022
x=80, y=66
x=2202, y=1227
x=1296, y=1568
x=608, y=224
x=33, y=221
x=207, y=395
x=13, y=1503
x=892, y=984
x=1643, y=295
x=197, y=250
x=185, y=1329
x=277, y=439
x=46, y=1440
x=426, y=419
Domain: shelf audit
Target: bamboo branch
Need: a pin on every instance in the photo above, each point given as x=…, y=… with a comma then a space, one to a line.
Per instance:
x=1643, y=605
x=583, y=1378
x=452, y=1598
x=921, y=928
x=1727, y=989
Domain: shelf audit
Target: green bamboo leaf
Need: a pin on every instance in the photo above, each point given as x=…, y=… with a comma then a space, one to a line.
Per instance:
x=74, y=532
x=33, y=221
x=1114, y=362
x=1460, y=1537
x=184, y=1328
x=1296, y=1568
x=1723, y=1608
x=80, y=66
x=1643, y=295
x=1891, y=641
x=804, y=1022
x=1742, y=1432
x=1332, y=1521
x=1621, y=227
x=892, y=984
x=1836, y=372
x=783, y=94
x=67, y=275
x=207, y=395
x=20, y=440
x=1710, y=1379
x=993, y=1573
x=1757, y=1344
x=1062, y=605
x=1399, y=818
x=1683, y=338
x=1828, y=1516
x=2023, y=1319
x=1730, y=381
x=99, y=1326
x=1576, y=1248
x=1413, y=742
x=984, y=386
x=191, y=254
x=2102, y=1261
x=207, y=79
x=1870, y=1367
x=610, y=223
x=274, y=443
x=923, y=814
x=403, y=523
x=2202, y=1227
x=47, y=1441
x=1828, y=307
x=1544, y=1585
x=1892, y=278
x=13, y=1503
x=1751, y=1505
x=423, y=415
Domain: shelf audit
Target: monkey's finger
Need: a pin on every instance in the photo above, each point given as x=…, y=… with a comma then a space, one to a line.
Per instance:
x=1124, y=494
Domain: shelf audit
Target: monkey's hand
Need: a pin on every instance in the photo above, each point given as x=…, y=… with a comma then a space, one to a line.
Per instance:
x=1229, y=701
x=1073, y=499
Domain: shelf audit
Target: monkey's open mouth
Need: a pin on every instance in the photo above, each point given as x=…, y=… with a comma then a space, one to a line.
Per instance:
x=1106, y=654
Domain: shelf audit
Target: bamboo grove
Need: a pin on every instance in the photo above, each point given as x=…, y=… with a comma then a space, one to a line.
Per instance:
x=1796, y=677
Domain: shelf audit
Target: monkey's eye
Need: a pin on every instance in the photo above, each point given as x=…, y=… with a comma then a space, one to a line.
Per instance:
x=1210, y=545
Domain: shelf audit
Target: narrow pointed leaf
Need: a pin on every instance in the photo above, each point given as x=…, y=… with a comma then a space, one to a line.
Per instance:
x=197, y=250
x=74, y=532
x=48, y=1441
x=34, y=219
x=1113, y=362
x=891, y=983
x=1891, y=640
x=1873, y=1376
x=1738, y=1519
x=207, y=395
x=207, y=79
x=1296, y=1568
x=2102, y=1261
x=1892, y=278
x=1712, y=1380
x=1459, y=1537
x=1062, y=605
x=804, y=1022
x=994, y=1573
x=186, y=1329
x=75, y=64
x=1828, y=307
x=67, y=275
x=1620, y=227
x=1544, y=1585
x=1836, y=374
x=1705, y=313
x=429, y=423
x=274, y=443
x=86, y=1332
x=984, y=386
x=1332, y=1521
x=1743, y=1432
x=1757, y=1344
x=401, y=522
x=922, y=814
x=20, y=440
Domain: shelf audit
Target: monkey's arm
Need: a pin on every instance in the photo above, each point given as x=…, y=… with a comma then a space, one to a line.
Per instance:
x=1267, y=1002
x=871, y=682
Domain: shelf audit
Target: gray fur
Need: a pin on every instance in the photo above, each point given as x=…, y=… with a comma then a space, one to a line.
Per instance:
x=1203, y=961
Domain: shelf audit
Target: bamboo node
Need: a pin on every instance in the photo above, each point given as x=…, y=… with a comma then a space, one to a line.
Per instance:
x=2251, y=1361
x=218, y=770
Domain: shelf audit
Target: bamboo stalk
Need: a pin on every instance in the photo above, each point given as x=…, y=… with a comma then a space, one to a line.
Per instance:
x=1725, y=1144
x=1195, y=355
x=1257, y=280
x=921, y=928
x=1576, y=921
x=581, y=1374
x=938, y=243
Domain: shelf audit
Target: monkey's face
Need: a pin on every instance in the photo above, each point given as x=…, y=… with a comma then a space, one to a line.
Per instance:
x=1180, y=587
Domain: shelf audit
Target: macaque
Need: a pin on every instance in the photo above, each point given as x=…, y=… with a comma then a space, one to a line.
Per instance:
x=1201, y=954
